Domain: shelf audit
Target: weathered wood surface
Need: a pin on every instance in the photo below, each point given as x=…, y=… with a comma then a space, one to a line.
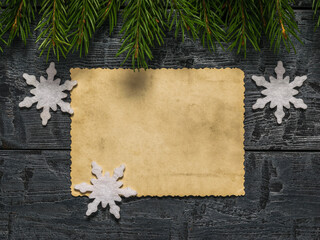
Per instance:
x=282, y=162
x=281, y=202
x=20, y=128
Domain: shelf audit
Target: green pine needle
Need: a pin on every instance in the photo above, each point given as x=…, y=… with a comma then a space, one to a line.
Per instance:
x=15, y=19
x=142, y=28
x=83, y=16
x=182, y=15
x=211, y=29
x=53, y=28
x=316, y=6
x=244, y=25
x=281, y=24
x=68, y=26
x=109, y=11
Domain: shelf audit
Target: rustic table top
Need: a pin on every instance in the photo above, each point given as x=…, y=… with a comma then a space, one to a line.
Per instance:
x=282, y=162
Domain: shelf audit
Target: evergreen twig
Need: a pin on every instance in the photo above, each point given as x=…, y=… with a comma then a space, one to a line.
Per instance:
x=109, y=11
x=182, y=15
x=83, y=16
x=316, y=6
x=281, y=24
x=15, y=19
x=211, y=29
x=69, y=25
x=243, y=24
x=53, y=27
x=142, y=27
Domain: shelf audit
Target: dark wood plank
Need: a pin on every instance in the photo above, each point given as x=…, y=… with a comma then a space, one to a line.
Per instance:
x=302, y=4
x=22, y=129
x=281, y=202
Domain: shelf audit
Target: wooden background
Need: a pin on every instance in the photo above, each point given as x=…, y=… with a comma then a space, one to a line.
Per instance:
x=282, y=162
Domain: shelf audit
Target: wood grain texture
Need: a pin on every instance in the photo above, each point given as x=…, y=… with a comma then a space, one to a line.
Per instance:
x=281, y=202
x=302, y=4
x=21, y=128
x=282, y=162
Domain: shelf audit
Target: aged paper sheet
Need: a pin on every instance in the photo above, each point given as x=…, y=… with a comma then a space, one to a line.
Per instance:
x=178, y=131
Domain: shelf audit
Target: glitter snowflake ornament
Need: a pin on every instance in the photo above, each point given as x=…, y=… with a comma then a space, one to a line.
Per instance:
x=48, y=93
x=105, y=189
x=279, y=92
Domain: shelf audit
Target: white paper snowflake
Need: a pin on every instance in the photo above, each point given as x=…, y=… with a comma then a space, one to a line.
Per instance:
x=48, y=93
x=279, y=92
x=105, y=189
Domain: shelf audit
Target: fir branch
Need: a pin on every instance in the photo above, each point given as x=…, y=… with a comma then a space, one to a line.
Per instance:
x=143, y=25
x=211, y=27
x=316, y=6
x=281, y=24
x=53, y=27
x=83, y=16
x=16, y=18
x=262, y=14
x=243, y=25
x=183, y=16
x=145, y=21
x=109, y=11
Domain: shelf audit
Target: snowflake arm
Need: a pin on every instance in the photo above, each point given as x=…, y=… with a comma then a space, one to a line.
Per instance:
x=114, y=209
x=30, y=79
x=127, y=192
x=45, y=115
x=298, y=103
x=105, y=190
x=279, y=92
x=51, y=71
x=260, y=81
x=68, y=85
x=48, y=93
x=298, y=81
x=93, y=207
x=65, y=107
x=279, y=113
x=27, y=102
x=84, y=187
x=261, y=102
x=118, y=172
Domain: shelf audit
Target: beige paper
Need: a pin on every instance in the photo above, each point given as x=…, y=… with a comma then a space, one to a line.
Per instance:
x=179, y=132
